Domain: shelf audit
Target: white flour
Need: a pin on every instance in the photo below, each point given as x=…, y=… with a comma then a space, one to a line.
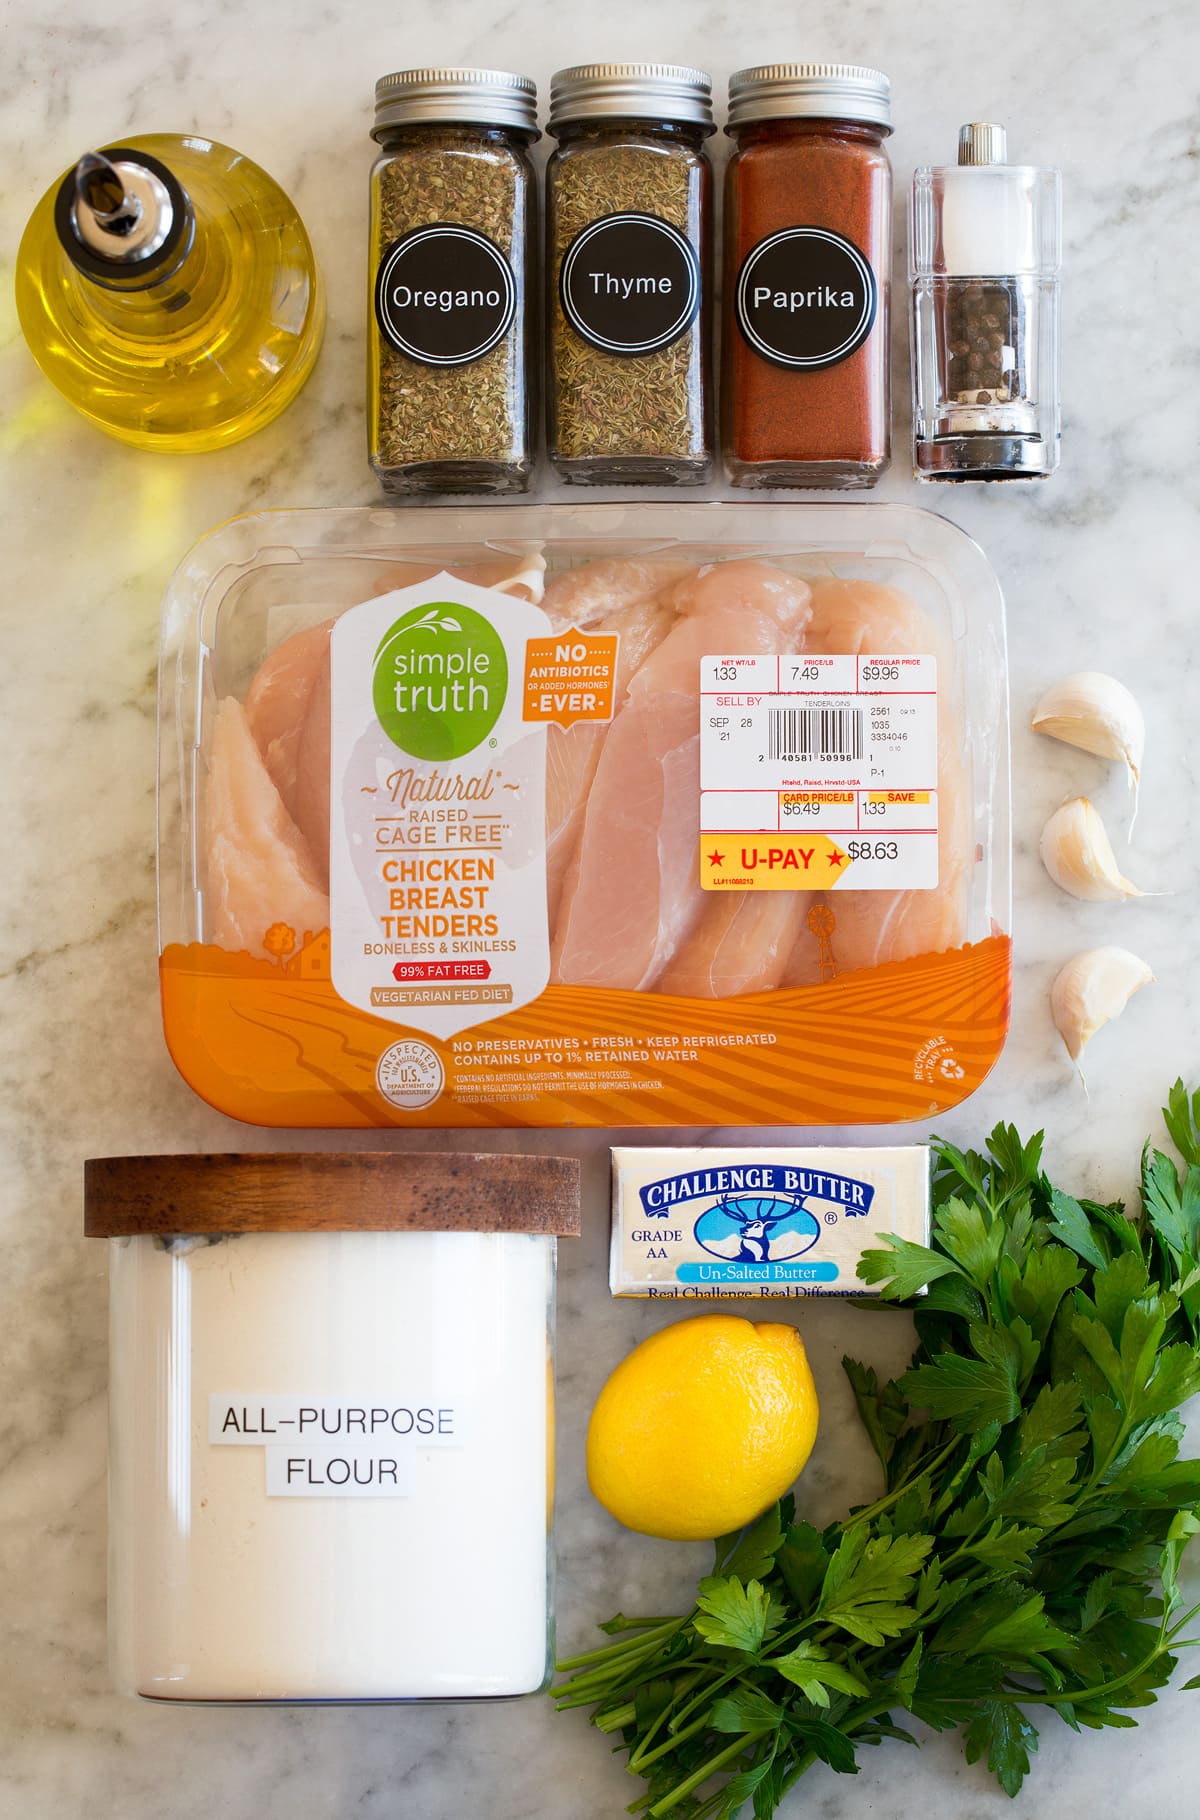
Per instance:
x=424, y=1575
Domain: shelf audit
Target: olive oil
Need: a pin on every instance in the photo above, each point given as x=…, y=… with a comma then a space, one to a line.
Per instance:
x=167, y=287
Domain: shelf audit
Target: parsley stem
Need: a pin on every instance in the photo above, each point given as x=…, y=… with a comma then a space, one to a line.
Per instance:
x=640, y=1759
x=707, y=1693
x=685, y=1687
x=615, y=1721
x=893, y=1497
x=1072, y=1696
x=632, y=1645
x=701, y=1775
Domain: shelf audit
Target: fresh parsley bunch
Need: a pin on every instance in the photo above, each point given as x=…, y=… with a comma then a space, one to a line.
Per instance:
x=1024, y=1557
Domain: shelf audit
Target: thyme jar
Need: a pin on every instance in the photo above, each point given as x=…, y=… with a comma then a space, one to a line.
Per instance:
x=452, y=214
x=629, y=223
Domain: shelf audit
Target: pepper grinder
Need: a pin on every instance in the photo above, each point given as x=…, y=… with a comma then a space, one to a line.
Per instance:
x=985, y=251
x=167, y=287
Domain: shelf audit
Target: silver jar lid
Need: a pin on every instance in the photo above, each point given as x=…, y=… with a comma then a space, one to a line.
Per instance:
x=823, y=91
x=631, y=91
x=449, y=96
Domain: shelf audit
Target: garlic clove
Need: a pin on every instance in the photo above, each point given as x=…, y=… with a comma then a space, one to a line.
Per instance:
x=1094, y=987
x=1078, y=855
x=1098, y=714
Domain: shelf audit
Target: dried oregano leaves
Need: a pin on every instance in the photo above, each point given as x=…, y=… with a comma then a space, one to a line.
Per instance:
x=476, y=412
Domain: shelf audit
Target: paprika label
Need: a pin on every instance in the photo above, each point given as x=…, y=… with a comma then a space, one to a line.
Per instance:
x=806, y=298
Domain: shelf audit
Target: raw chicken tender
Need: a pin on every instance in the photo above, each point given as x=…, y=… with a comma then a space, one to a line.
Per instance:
x=312, y=772
x=595, y=590
x=277, y=703
x=572, y=753
x=259, y=868
x=741, y=943
x=633, y=894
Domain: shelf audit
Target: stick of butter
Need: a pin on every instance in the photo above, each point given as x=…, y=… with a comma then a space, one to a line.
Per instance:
x=769, y=1222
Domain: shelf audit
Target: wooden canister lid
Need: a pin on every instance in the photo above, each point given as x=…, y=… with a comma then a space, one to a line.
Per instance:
x=325, y=1191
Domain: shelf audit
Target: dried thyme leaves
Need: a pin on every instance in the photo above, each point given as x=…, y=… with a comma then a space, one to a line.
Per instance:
x=614, y=404
x=475, y=412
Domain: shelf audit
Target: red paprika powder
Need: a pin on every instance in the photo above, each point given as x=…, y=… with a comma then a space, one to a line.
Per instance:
x=808, y=216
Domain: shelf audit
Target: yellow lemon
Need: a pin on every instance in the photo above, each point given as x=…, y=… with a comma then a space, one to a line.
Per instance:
x=703, y=1426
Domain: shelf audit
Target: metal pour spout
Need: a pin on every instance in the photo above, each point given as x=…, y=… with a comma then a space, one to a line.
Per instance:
x=122, y=211
x=100, y=188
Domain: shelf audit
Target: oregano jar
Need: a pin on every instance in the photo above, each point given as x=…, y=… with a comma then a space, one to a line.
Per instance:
x=808, y=236
x=453, y=217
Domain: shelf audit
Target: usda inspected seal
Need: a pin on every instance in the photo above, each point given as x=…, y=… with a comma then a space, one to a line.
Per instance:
x=410, y=1075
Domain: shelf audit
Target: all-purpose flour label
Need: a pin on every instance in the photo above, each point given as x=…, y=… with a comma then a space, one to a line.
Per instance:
x=317, y=1448
x=818, y=773
x=437, y=808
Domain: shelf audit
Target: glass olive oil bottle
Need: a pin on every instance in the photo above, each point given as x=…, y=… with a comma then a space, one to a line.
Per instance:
x=167, y=287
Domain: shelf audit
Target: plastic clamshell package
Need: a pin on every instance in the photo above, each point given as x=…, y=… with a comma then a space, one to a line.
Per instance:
x=601, y=815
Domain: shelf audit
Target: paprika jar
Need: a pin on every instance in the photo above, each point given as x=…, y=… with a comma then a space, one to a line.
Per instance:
x=808, y=216
x=331, y=1406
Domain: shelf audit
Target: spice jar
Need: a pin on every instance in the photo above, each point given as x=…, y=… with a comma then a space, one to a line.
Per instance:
x=331, y=1422
x=453, y=212
x=629, y=223
x=808, y=248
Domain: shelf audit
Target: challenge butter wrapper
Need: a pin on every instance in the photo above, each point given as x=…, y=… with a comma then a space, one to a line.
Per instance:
x=763, y=1222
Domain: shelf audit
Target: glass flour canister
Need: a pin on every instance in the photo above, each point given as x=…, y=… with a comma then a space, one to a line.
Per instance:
x=629, y=230
x=331, y=1420
x=453, y=218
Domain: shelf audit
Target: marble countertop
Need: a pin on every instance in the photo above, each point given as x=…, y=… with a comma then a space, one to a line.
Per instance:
x=1098, y=567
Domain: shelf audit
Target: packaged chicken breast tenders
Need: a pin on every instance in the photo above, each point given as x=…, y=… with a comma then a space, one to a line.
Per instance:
x=602, y=815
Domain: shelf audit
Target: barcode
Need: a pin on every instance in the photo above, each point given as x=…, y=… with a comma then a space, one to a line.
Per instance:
x=823, y=733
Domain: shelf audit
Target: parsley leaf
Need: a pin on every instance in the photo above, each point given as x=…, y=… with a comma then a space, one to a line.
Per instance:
x=809, y=1668
x=735, y=1616
x=882, y=1411
x=1008, y=1738
x=748, y=1554
x=968, y=1392
x=747, y=1710
x=904, y=1269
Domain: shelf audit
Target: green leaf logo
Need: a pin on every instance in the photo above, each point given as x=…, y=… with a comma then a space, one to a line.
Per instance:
x=440, y=679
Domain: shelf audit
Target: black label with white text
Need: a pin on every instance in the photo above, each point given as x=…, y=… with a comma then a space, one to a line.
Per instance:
x=444, y=295
x=806, y=298
x=630, y=283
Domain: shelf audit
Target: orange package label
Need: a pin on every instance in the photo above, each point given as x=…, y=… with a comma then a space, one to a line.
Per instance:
x=570, y=677
x=771, y=862
x=272, y=1042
